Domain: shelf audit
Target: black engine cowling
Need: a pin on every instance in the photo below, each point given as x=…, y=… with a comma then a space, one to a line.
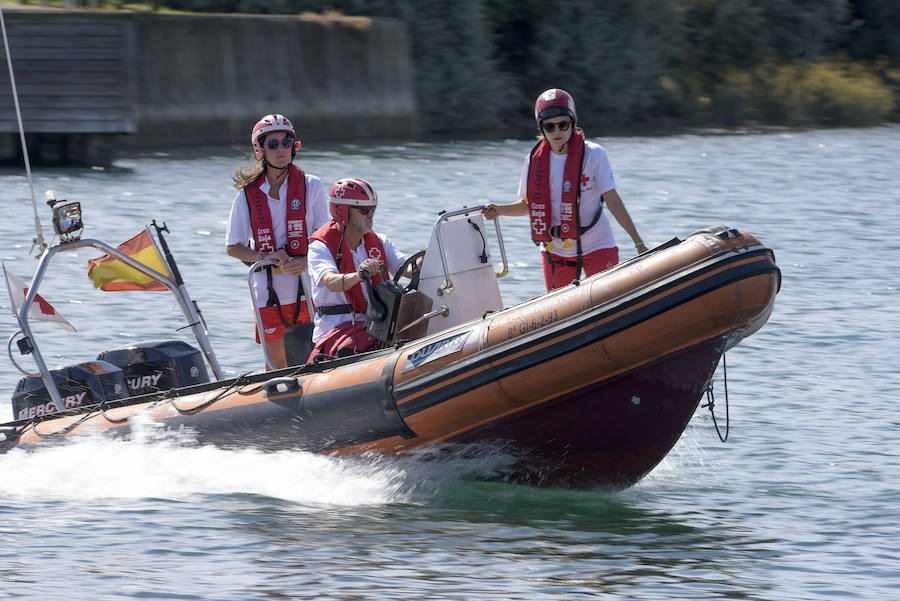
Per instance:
x=79, y=385
x=158, y=365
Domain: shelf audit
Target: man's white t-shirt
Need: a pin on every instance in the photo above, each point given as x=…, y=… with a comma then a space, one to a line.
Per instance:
x=597, y=179
x=240, y=232
x=321, y=261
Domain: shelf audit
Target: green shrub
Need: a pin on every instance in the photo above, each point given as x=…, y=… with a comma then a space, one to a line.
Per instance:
x=835, y=92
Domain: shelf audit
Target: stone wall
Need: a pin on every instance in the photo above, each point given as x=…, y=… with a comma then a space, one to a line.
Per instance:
x=214, y=76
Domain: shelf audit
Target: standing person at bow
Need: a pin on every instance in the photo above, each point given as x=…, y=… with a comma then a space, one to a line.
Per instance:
x=341, y=254
x=276, y=208
x=566, y=181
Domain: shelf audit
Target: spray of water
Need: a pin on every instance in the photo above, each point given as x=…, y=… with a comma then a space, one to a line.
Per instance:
x=156, y=463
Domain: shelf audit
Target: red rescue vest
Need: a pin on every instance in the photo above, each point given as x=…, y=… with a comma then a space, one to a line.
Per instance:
x=261, y=217
x=538, y=191
x=332, y=235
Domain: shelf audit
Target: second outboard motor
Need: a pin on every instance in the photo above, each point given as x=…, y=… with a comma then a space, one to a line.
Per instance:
x=158, y=365
x=79, y=385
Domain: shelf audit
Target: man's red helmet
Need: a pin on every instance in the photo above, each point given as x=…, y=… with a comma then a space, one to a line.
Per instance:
x=553, y=103
x=350, y=192
x=271, y=124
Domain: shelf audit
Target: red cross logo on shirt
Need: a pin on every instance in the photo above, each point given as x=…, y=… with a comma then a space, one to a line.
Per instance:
x=584, y=179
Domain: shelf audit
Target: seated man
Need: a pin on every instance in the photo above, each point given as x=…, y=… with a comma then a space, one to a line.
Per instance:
x=340, y=252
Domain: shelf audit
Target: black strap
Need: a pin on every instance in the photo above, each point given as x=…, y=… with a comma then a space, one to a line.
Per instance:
x=560, y=261
x=274, y=302
x=578, y=258
x=273, y=298
x=594, y=221
x=334, y=310
x=299, y=298
x=578, y=215
x=340, y=249
x=483, y=257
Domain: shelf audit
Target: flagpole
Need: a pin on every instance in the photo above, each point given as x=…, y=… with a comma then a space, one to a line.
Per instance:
x=196, y=318
x=12, y=302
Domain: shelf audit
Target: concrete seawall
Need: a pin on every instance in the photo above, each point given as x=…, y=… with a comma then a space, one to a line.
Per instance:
x=344, y=78
x=203, y=78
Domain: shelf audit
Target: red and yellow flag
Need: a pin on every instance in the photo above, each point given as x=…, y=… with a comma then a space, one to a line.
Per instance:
x=110, y=274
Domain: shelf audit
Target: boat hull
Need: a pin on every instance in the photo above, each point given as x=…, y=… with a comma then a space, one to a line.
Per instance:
x=587, y=385
x=611, y=433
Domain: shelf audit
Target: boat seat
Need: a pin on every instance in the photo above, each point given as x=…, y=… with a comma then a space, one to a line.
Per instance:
x=413, y=305
x=298, y=343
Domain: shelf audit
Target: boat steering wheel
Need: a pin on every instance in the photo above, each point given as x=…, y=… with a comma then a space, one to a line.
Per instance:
x=410, y=261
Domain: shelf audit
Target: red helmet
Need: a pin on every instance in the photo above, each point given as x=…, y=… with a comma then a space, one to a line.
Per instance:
x=553, y=103
x=267, y=125
x=350, y=192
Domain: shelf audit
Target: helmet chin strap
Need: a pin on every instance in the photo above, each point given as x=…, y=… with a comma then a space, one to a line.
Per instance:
x=281, y=170
x=340, y=252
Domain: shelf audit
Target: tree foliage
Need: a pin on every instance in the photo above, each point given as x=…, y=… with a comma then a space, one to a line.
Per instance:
x=480, y=63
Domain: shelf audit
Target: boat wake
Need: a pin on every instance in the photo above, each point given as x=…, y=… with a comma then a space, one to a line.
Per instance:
x=158, y=464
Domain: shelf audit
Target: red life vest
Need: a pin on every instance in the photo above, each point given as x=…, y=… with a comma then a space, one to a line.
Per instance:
x=261, y=217
x=332, y=235
x=538, y=191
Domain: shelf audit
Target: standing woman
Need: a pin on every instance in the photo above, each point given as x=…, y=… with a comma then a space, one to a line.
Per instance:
x=566, y=181
x=276, y=208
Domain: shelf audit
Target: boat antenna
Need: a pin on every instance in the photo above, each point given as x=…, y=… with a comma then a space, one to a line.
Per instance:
x=38, y=240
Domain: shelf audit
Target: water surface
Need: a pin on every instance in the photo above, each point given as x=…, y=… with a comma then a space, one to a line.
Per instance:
x=800, y=503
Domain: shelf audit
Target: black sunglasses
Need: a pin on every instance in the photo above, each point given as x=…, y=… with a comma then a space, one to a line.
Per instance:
x=365, y=210
x=285, y=143
x=551, y=127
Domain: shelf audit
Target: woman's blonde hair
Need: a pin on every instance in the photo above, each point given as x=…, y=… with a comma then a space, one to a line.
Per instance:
x=243, y=177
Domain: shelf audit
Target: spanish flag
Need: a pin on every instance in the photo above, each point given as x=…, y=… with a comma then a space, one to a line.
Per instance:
x=110, y=274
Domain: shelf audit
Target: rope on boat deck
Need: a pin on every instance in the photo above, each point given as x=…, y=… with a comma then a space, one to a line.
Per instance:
x=63, y=431
x=113, y=420
x=240, y=381
x=101, y=409
x=12, y=433
x=711, y=402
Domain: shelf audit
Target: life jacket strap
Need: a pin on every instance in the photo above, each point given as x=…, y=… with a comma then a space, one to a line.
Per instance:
x=274, y=302
x=334, y=310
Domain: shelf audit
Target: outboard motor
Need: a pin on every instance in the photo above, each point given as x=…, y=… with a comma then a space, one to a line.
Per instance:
x=158, y=365
x=79, y=385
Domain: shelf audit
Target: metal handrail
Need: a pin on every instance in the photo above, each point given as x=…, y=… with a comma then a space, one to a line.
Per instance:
x=187, y=308
x=447, y=286
x=259, y=327
x=444, y=310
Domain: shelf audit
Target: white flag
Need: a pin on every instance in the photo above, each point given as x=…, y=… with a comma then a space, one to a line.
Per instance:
x=40, y=309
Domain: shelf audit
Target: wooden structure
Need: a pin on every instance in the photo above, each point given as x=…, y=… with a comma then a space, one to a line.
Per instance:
x=83, y=76
x=75, y=78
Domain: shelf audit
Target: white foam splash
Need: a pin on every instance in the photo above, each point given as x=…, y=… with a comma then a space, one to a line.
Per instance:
x=163, y=466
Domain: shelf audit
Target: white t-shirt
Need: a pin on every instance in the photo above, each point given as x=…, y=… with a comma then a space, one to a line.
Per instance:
x=240, y=232
x=321, y=261
x=597, y=179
